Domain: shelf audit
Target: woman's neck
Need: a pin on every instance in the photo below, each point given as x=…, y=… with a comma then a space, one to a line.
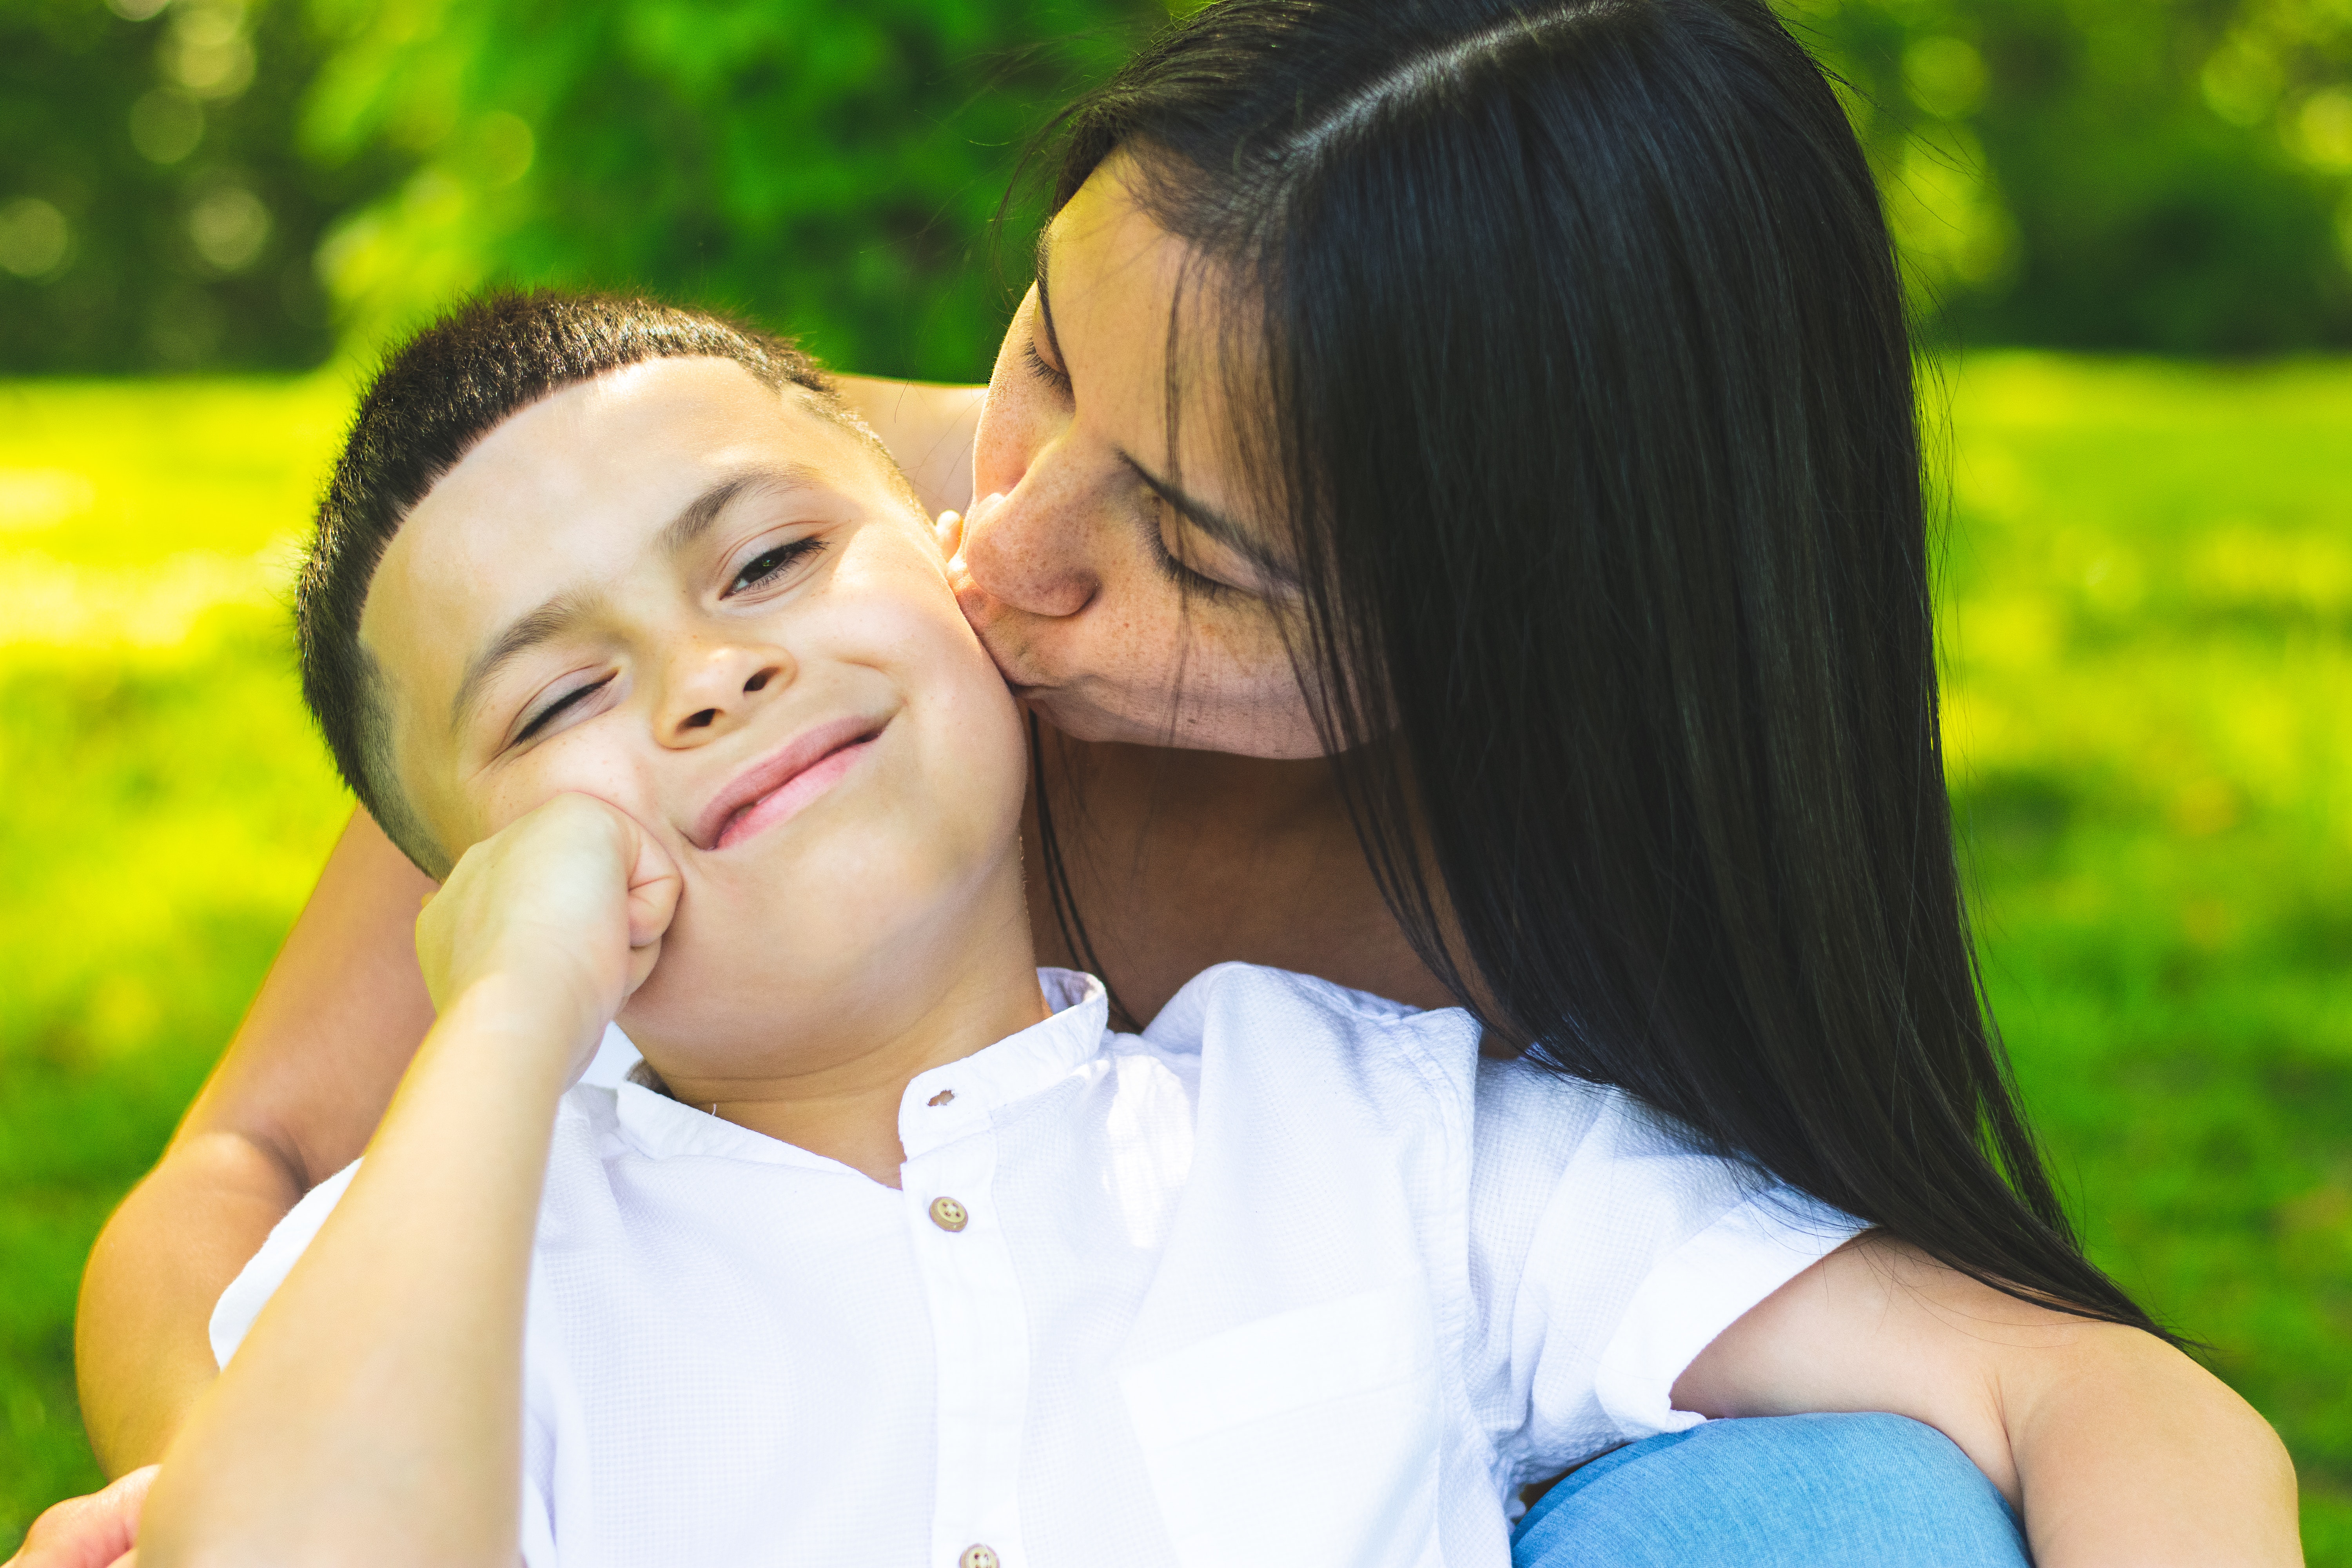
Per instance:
x=1179, y=860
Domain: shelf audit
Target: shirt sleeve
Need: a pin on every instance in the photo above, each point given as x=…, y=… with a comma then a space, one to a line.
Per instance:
x=250, y=1291
x=1609, y=1248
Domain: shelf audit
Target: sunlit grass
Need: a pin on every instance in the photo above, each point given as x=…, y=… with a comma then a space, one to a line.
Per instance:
x=2148, y=627
x=162, y=808
x=2148, y=630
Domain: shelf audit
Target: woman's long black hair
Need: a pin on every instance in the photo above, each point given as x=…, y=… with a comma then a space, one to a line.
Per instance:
x=1592, y=415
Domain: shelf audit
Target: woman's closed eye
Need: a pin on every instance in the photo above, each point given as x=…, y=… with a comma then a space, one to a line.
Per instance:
x=1059, y=380
x=771, y=564
x=1174, y=567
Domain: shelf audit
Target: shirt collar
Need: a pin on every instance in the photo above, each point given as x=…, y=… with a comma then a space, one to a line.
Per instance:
x=960, y=1099
x=966, y=1091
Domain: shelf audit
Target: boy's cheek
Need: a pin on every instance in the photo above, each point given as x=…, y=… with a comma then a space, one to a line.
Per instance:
x=566, y=765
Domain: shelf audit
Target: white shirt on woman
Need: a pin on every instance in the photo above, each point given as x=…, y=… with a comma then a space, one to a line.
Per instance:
x=1293, y=1278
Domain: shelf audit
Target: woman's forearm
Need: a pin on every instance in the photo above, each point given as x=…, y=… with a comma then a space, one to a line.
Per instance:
x=2128, y=1452
x=142, y=1353
x=373, y=1413
x=929, y=429
x=293, y=1101
x=2119, y=1451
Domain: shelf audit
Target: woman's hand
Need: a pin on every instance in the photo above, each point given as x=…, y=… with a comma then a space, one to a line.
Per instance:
x=2114, y=1446
x=563, y=907
x=94, y=1532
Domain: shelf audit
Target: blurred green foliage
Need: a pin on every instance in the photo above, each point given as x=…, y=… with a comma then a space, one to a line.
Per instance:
x=830, y=168
x=2148, y=623
x=181, y=180
x=155, y=212
x=2165, y=175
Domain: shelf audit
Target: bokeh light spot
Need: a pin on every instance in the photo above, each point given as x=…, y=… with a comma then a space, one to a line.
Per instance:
x=34, y=238
x=229, y=225
x=166, y=125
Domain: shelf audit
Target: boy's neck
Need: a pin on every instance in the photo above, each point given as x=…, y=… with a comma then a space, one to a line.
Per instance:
x=976, y=991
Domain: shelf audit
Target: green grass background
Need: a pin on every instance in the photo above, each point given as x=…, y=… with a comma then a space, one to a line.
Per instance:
x=2148, y=621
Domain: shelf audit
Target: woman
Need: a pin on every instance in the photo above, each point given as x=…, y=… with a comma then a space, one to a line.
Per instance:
x=1453, y=504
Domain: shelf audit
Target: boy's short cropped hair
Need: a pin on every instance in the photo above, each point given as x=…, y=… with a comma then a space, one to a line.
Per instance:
x=437, y=397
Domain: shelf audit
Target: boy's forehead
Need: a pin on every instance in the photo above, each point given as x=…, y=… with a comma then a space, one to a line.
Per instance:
x=630, y=434
x=571, y=491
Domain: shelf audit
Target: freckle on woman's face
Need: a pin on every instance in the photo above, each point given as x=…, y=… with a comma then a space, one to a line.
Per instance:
x=1128, y=584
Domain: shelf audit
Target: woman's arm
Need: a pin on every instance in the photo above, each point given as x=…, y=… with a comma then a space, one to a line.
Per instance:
x=929, y=430
x=314, y=1063
x=293, y=1101
x=2118, y=1448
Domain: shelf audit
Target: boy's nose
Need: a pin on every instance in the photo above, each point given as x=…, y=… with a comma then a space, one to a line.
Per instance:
x=716, y=688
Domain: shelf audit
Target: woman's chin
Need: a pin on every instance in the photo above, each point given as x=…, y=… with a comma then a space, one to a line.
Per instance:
x=1248, y=732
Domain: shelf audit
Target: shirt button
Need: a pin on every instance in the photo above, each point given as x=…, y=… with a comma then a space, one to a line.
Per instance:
x=950, y=1215
x=979, y=1557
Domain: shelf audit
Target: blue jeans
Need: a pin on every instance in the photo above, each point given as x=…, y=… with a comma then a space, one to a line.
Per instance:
x=1797, y=1491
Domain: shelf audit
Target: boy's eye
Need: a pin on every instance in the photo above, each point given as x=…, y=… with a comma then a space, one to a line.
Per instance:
x=540, y=720
x=770, y=564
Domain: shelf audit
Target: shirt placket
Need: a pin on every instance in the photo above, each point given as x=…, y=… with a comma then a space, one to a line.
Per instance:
x=981, y=1338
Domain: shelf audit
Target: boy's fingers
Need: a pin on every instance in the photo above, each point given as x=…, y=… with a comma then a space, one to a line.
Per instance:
x=949, y=531
x=652, y=905
x=655, y=883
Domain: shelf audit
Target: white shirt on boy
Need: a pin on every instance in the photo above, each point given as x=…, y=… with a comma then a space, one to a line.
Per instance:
x=1294, y=1277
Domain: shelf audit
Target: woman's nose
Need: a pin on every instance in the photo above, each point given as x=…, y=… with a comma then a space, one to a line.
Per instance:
x=1021, y=552
x=711, y=691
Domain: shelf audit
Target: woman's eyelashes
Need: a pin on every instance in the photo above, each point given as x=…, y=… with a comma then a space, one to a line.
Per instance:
x=771, y=564
x=1172, y=566
x=539, y=721
x=1059, y=380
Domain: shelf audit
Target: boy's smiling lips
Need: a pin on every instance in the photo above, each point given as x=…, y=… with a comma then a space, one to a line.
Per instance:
x=786, y=779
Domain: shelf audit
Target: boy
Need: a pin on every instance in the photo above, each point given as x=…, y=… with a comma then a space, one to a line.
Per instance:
x=895, y=1255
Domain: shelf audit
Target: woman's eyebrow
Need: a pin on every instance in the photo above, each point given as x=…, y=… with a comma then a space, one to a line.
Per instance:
x=1216, y=524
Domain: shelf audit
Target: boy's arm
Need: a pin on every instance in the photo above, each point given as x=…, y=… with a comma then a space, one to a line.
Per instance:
x=293, y=1101
x=374, y=1414
x=2118, y=1449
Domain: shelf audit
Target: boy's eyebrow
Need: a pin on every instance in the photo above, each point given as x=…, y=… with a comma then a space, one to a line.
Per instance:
x=694, y=519
x=561, y=614
x=525, y=632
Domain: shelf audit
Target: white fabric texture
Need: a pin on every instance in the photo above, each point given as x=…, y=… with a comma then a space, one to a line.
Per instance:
x=1294, y=1277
